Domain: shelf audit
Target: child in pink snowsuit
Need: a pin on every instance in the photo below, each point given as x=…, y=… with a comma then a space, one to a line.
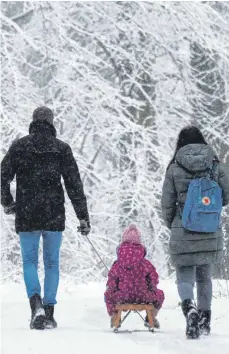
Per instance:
x=132, y=278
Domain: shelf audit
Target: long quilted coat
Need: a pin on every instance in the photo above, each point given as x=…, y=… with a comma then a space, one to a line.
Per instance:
x=191, y=248
x=132, y=279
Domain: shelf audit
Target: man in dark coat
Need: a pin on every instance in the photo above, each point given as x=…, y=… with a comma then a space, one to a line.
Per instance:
x=39, y=160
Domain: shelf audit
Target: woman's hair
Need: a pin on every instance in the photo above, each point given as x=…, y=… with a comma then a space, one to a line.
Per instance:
x=188, y=135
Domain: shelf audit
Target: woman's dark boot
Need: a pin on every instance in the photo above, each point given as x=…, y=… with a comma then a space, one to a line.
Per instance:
x=204, y=322
x=38, y=313
x=49, y=319
x=192, y=319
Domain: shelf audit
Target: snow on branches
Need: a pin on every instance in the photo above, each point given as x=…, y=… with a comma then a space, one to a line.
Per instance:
x=122, y=78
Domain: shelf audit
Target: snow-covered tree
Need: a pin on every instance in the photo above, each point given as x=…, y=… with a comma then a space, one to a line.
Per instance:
x=122, y=78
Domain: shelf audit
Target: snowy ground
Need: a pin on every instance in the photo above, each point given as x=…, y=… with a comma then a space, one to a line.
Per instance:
x=84, y=326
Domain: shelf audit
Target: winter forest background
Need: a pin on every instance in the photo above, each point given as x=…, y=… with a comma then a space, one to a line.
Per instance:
x=122, y=78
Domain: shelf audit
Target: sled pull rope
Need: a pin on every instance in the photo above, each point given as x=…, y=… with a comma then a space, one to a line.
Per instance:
x=97, y=253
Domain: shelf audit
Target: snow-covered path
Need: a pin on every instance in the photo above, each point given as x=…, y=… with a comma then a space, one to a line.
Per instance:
x=84, y=326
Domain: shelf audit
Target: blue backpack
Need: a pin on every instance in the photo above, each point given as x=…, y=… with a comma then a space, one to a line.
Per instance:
x=203, y=205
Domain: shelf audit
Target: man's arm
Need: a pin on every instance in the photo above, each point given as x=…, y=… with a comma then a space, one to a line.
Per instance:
x=74, y=185
x=8, y=170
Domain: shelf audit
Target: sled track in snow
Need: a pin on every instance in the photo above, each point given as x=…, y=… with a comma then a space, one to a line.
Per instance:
x=84, y=327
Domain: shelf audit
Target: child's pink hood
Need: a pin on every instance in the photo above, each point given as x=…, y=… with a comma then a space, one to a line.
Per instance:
x=130, y=254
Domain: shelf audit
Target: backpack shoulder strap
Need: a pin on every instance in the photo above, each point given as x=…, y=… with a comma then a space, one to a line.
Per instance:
x=212, y=169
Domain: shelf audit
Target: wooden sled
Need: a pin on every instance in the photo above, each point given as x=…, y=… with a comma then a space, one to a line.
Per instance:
x=117, y=321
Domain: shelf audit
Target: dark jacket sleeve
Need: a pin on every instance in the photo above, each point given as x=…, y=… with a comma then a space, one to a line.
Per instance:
x=224, y=182
x=169, y=198
x=8, y=170
x=74, y=185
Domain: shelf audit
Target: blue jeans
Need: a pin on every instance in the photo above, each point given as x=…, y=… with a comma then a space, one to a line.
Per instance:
x=29, y=242
x=202, y=275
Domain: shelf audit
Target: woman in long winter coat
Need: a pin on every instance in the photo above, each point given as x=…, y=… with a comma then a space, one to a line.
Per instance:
x=132, y=278
x=192, y=253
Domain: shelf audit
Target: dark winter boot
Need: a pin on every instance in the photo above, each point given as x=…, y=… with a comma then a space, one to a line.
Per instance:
x=49, y=319
x=204, y=322
x=192, y=319
x=38, y=313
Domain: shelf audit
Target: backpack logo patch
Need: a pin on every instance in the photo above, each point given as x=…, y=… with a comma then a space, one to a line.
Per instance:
x=203, y=206
x=206, y=200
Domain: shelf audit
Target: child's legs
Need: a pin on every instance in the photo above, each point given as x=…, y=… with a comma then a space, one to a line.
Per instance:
x=114, y=298
x=159, y=299
x=156, y=299
x=155, y=312
x=110, y=302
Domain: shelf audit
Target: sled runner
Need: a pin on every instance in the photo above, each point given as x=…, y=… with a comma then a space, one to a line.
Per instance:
x=117, y=321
